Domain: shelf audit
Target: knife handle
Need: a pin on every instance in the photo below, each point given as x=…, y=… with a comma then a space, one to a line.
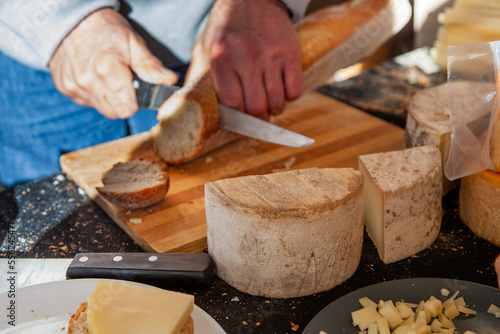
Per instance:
x=164, y=270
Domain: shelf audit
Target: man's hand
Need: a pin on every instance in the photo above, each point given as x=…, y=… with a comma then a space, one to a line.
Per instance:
x=253, y=51
x=92, y=64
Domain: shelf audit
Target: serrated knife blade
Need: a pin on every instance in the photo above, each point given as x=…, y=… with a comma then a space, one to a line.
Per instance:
x=152, y=96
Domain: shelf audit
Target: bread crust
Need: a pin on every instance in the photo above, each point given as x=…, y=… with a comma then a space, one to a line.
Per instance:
x=327, y=28
x=77, y=323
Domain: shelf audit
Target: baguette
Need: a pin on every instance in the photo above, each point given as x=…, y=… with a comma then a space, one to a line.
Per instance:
x=330, y=39
x=135, y=184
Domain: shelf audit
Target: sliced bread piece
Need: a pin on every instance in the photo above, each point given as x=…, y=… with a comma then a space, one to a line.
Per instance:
x=287, y=234
x=135, y=184
x=403, y=200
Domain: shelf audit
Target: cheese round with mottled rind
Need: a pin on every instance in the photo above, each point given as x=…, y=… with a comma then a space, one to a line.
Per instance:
x=286, y=234
x=479, y=204
x=428, y=121
x=403, y=200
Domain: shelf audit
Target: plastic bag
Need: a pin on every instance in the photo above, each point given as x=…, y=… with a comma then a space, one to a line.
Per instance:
x=473, y=70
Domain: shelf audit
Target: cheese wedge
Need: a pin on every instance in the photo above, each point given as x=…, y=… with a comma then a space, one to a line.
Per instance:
x=403, y=200
x=115, y=307
x=428, y=121
x=286, y=234
x=479, y=204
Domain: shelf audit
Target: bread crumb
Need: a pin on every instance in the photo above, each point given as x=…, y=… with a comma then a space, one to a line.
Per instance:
x=235, y=299
x=286, y=165
x=445, y=292
x=294, y=327
x=135, y=220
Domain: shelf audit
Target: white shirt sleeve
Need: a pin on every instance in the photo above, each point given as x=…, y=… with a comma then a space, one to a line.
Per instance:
x=31, y=30
x=297, y=8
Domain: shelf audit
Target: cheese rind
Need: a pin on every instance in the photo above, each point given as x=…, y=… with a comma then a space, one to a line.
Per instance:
x=479, y=204
x=286, y=234
x=403, y=200
x=115, y=307
x=429, y=120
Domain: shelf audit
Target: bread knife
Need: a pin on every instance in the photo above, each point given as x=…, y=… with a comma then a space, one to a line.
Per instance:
x=165, y=270
x=152, y=96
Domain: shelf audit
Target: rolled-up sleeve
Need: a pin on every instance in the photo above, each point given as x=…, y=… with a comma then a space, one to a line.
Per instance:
x=297, y=8
x=31, y=30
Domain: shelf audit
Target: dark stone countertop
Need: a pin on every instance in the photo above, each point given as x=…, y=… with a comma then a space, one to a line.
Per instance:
x=53, y=218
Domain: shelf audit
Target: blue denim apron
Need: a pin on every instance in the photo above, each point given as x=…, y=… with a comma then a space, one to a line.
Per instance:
x=38, y=124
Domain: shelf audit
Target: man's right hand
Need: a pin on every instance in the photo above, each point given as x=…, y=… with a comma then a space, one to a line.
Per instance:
x=92, y=65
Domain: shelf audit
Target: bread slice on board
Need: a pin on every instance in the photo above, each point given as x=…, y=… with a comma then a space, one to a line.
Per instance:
x=403, y=193
x=287, y=234
x=135, y=184
x=330, y=39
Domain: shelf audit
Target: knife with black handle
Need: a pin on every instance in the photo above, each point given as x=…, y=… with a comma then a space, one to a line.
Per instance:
x=165, y=270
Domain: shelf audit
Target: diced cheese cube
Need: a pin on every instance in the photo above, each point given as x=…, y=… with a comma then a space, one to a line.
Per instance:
x=402, y=330
x=450, y=300
x=383, y=326
x=451, y=312
x=391, y=314
x=465, y=310
x=495, y=310
x=372, y=329
x=367, y=302
x=364, y=317
x=433, y=307
x=460, y=301
x=447, y=323
x=436, y=325
x=419, y=328
x=404, y=310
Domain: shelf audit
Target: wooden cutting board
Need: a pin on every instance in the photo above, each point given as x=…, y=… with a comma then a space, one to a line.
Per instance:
x=177, y=224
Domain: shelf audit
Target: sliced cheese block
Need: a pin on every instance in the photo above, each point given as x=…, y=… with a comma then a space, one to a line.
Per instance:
x=428, y=121
x=403, y=200
x=479, y=204
x=467, y=22
x=286, y=234
x=115, y=307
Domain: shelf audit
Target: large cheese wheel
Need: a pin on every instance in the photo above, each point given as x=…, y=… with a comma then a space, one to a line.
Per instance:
x=428, y=121
x=286, y=234
x=479, y=204
x=403, y=200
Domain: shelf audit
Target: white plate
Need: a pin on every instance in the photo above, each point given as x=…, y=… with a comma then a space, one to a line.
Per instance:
x=46, y=308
